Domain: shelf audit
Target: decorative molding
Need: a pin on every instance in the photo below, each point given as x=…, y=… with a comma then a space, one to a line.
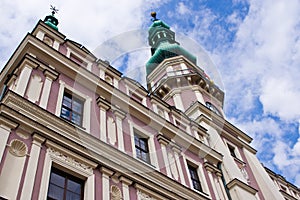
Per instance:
x=4, y=122
x=51, y=74
x=237, y=183
x=106, y=171
x=18, y=148
x=22, y=134
x=125, y=180
x=116, y=193
x=103, y=103
x=69, y=160
x=144, y=196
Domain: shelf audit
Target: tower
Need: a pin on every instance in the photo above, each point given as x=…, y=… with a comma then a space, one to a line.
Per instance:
x=173, y=74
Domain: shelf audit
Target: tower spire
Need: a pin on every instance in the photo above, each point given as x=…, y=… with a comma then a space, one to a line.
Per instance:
x=163, y=44
x=50, y=20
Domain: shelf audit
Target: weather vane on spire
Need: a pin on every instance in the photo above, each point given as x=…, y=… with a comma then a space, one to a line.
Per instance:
x=54, y=10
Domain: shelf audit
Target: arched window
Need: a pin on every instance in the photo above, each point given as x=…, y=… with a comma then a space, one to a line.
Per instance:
x=213, y=108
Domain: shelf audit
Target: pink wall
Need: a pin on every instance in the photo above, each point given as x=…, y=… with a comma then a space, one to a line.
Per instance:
x=188, y=97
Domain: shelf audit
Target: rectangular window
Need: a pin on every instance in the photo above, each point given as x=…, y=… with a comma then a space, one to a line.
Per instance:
x=64, y=186
x=232, y=151
x=195, y=178
x=141, y=148
x=72, y=108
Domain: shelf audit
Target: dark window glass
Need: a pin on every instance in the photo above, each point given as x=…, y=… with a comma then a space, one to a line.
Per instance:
x=72, y=108
x=232, y=151
x=141, y=148
x=195, y=178
x=212, y=108
x=63, y=186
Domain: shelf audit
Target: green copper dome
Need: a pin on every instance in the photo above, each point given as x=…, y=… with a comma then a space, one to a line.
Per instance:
x=167, y=50
x=163, y=45
x=50, y=20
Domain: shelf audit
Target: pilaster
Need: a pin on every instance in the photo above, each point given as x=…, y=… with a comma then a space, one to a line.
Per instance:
x=32, y=167
x=106, y=173
x=47, y=87
x=104, y=106
x=120, y=115
x=125, y=187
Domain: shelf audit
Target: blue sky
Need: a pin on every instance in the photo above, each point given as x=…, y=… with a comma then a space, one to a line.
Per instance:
x=254, y=44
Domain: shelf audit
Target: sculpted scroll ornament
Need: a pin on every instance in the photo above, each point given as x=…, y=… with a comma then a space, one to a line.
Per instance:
x=69, y=160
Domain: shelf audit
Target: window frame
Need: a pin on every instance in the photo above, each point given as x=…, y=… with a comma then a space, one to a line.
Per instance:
x=86, y=118
x=235, y=149
x=73, y=98
x=134, y=129
x=195, y=178
x=139, y=147
x=66, y=177
x=200, y=171
x=60, y=158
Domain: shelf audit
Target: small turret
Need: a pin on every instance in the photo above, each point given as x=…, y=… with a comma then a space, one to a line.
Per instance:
x=50, y=20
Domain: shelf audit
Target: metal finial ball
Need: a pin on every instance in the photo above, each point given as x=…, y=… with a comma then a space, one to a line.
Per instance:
x=153, y=14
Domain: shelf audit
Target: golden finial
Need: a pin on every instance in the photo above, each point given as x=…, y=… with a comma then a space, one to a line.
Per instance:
x=153, y=14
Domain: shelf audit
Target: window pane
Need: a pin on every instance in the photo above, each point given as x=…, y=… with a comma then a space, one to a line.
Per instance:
x=57, y=180
x=74, y=186
x=72, y=196
x=55, y=192
x=76, y=118
x=77, y=106
x=67, y=102
x=65, y=113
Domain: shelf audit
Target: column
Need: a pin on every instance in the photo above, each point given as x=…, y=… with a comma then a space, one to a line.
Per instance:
x=32, y=166
x=120, y=115
x=106, y=173
x=125, y=187
x=163, y=143
x=23, y=80
x=210, y=170
x=47, y=87
x=5, y=128
x=177, y=151
x=104, y=106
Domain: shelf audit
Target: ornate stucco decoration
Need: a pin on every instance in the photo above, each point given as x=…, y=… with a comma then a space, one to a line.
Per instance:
x=144, y=196
x=116, y=193
x=18, y=148
x=69, y=160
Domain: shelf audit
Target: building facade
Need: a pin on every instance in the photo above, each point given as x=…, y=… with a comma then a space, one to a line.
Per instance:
x=73, y=127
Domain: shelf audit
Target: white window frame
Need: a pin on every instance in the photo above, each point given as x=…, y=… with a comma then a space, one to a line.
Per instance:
x=86, y=117
x=236, y=150
x=60, y=158
x=200, y=173
x=151, y=144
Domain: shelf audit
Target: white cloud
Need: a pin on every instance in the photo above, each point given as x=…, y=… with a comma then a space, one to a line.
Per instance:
x=261, y=71
x=182, y=8
x=88, y=22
